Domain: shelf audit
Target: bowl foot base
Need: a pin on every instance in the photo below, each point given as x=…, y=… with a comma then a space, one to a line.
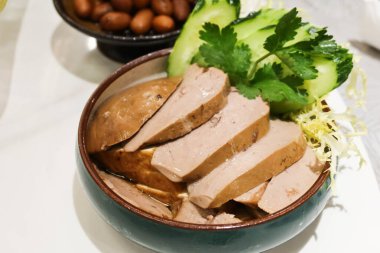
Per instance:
x=124, y=54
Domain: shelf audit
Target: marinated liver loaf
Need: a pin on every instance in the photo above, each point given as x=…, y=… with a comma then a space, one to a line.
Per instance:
x=132, y=195
x=190, y=213
x=224, y=218
x=136, y=167
x=253, y=196
x=202, y=93
x=122, y=115
x=292, y=183
x=283, y=145
x=239, y=124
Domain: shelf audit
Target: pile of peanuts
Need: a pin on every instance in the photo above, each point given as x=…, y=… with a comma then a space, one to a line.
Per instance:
x=140, y=16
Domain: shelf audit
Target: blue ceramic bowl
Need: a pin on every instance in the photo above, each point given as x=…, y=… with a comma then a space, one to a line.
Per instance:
x=164, y=235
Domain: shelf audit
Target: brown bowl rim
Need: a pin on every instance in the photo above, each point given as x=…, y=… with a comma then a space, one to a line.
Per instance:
x=92, y=171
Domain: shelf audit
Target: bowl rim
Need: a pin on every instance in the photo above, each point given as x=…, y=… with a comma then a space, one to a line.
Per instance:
x=110, y=37
x=89, y=166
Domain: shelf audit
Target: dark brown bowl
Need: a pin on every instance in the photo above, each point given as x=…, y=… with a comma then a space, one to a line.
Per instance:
x=164, y=235
x=121, y=47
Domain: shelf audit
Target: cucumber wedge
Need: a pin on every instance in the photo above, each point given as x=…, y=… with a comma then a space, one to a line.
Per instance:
x=316, y=88
x=253, y=31
x=220, y=12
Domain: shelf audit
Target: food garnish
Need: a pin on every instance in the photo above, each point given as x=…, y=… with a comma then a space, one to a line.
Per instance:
x=292, y=65
x=280, y=75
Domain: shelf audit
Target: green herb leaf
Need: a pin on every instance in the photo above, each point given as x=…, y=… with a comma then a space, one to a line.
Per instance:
x=292, y=81
x=284, y=32
x=298, y=62
x=222, y=51
x=268, y=84
x=331, y=50
x=272, y=91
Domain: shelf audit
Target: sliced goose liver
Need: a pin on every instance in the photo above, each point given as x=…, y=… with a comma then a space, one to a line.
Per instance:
x=240, y=123
x=224, y=218
x=190, y=213
x=123, y=114
x=202, y=93
x=132, y=195
x=283, y=145
x=136, y=167
x=292, y=183
x=253, y=196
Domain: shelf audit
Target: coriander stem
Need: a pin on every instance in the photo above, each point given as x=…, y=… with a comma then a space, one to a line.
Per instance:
x=254, y=67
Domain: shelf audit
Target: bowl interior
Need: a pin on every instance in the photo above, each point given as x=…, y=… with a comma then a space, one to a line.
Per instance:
x=146, y=68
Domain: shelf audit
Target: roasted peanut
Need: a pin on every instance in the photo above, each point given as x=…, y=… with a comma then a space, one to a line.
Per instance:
x=162, y=7
x=115, y=21
x=83, y=8
x=122, y=5
x=142, y=21
x=181, y=9
x=140, y=4
x=100, y=9
x=163, y=24
x=140, y=12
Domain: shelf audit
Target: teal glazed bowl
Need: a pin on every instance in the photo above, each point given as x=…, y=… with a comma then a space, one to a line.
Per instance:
x=164, y=235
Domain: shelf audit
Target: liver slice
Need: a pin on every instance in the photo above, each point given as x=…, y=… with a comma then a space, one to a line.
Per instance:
x=190, y=213
x=224, y=218
x=283, y=145
x=292, y=183
x=123, y=114
x=132, y=195
x=136, y=166
x=239, y=124
x=253, y=196
x=202, y=93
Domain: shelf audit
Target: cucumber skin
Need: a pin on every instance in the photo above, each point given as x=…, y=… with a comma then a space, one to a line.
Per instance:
x=220, y=12
x=316, y=88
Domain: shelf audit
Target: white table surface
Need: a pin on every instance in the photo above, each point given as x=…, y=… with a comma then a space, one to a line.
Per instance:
x=47, y=72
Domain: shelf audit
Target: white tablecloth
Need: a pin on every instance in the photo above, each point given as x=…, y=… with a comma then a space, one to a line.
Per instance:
x=47, y=72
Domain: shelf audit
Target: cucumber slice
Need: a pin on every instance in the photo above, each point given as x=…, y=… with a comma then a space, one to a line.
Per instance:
x=326, y=80
x=257, y=27
x=220, y=12
x=316, y=88
x=262, y=20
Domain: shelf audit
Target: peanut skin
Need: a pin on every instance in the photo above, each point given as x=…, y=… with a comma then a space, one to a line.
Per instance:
x=100, y=9
x=163, y=24
x=181, y=9
x=142, y=21
x=115, y=21
x=141, y=4
x=122, y=5
x=83, y=8
x=162, y=7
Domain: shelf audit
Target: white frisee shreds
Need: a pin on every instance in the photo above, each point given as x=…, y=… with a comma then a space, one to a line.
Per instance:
x=331, y=134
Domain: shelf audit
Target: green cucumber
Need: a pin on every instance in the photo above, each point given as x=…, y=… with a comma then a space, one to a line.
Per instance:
x=262, y=20
x=220, y=12
x=257, y=27
x=316, y=88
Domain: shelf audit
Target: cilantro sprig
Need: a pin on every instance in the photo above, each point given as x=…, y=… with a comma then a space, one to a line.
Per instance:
x=274, y=82
x=296, y=59
x=223, y=51
x=268, y=84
